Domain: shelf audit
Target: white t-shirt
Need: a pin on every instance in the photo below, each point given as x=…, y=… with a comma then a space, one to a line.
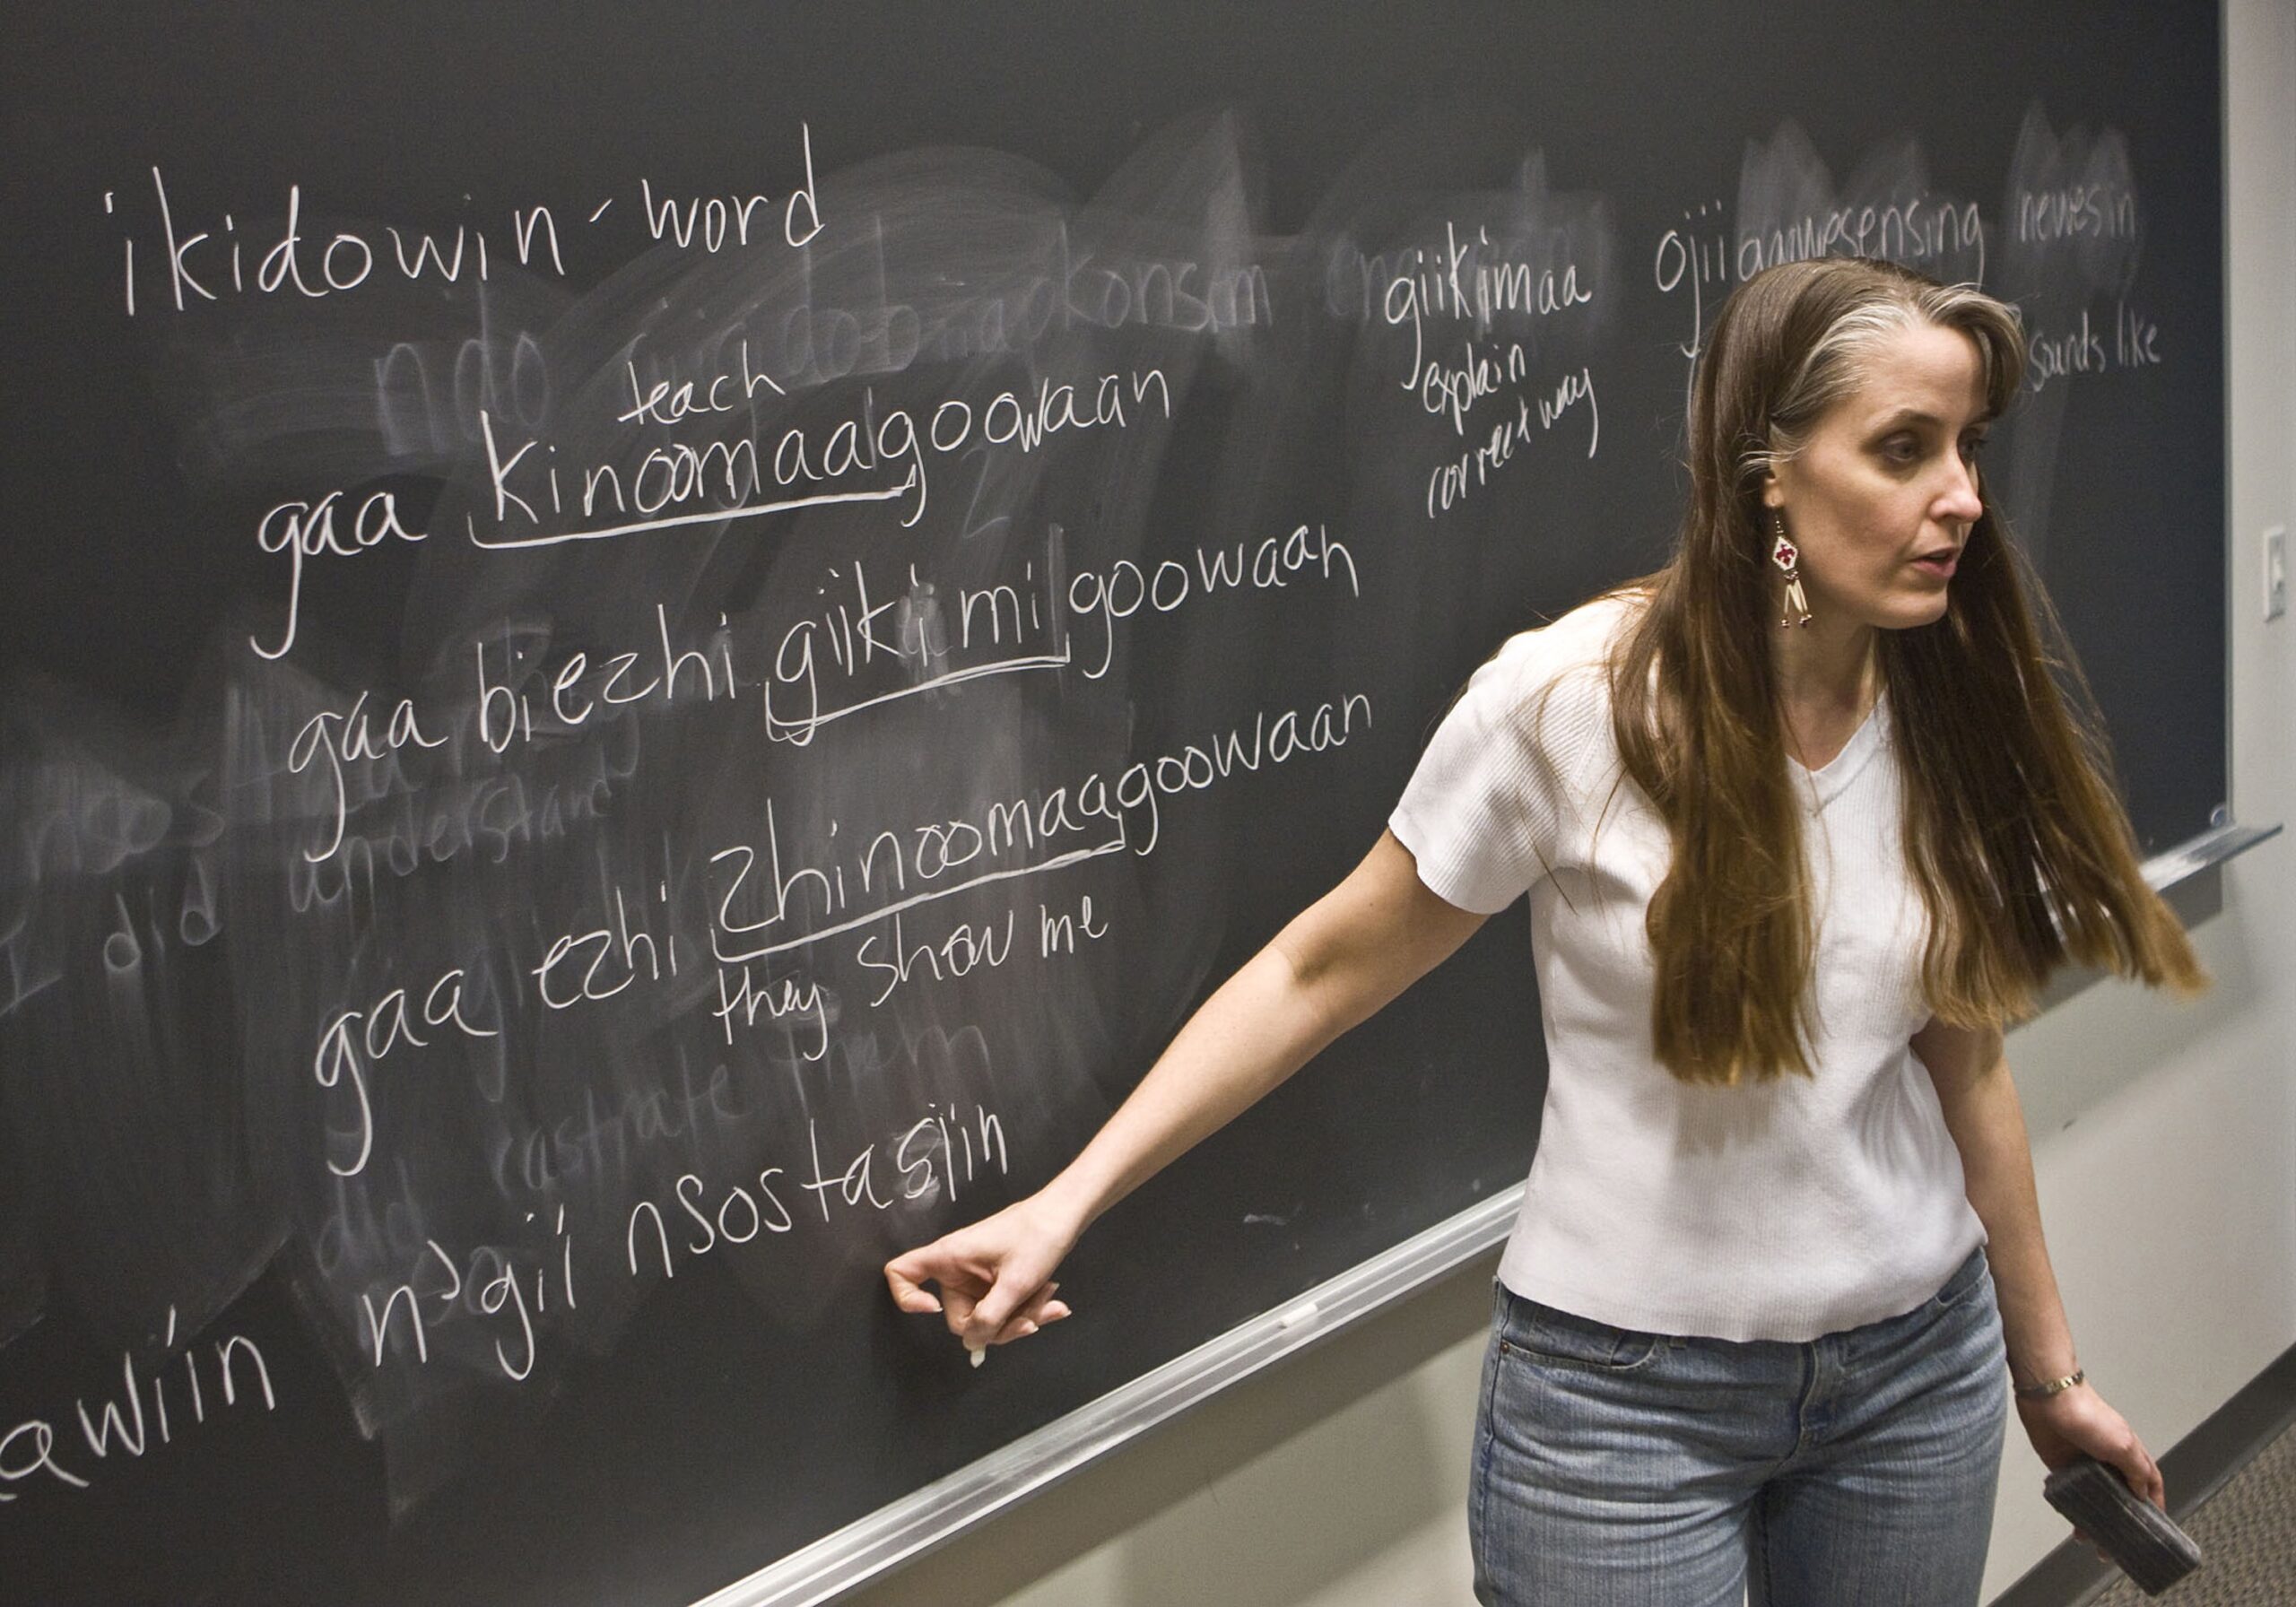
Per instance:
x=1781, y=1209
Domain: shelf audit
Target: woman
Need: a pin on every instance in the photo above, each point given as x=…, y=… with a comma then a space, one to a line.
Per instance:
x=1804, y=822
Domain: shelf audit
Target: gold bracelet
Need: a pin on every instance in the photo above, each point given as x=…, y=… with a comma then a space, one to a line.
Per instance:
x=2053, y=1386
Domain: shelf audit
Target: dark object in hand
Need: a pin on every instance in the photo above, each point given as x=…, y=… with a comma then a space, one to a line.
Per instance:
x=2142, y=1540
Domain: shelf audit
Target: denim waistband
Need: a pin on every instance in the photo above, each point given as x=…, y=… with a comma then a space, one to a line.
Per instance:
x=1962, y=1280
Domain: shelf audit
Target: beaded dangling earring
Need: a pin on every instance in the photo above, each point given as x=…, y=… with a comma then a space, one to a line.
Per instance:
x=1797, y=602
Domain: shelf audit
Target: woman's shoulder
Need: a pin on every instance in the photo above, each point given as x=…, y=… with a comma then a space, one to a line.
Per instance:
x=1547, y=690
x=1573, y=648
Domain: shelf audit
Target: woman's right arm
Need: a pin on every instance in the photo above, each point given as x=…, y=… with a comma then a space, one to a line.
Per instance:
x=1336, y=964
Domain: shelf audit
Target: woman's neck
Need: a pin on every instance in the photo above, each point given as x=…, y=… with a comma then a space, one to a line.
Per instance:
x=1827, y=680
x=1823, y=666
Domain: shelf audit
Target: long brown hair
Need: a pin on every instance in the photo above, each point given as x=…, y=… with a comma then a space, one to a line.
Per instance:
x=2014, y=836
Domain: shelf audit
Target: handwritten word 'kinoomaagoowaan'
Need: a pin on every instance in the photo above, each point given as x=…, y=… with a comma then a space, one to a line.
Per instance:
x=865, y=457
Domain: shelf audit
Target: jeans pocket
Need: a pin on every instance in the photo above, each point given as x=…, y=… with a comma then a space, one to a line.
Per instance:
x=1964, y=1285
x=1545, y=1337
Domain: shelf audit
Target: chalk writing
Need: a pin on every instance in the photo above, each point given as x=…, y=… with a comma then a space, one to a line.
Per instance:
x=2064, y=352
x=305, y=530
x=714, y=222
x=1470, y=279
x=759, y=689
x=937, y=1156
x=1101, y=598
x=120, y=1425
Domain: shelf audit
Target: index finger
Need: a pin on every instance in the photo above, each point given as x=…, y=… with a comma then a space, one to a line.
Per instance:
x=1002, y=1301
x=2136, y=1469
x=2150, y=1485
x=905, y=1275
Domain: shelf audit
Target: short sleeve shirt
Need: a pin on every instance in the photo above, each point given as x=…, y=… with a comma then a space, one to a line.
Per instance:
x=1779, y=1210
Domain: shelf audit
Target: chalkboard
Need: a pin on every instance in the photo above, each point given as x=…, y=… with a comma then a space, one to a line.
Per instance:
x=650, y=650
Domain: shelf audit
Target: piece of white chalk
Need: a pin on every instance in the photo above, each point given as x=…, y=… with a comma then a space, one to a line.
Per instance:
x=1293, y=1318
x=979, y=1357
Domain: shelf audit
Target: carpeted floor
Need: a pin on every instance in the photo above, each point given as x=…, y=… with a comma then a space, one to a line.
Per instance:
x=2247, y=1534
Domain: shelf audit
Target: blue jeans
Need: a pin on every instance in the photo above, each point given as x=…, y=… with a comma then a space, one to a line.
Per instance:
x=1621, y=1469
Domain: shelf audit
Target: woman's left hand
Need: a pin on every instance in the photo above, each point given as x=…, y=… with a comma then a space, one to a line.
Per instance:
x=2077, y=1422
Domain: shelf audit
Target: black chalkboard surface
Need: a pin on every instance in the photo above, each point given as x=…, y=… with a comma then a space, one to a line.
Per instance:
x=649, y=650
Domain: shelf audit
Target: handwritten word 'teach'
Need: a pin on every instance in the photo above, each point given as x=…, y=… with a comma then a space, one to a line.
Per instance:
x=301, y=530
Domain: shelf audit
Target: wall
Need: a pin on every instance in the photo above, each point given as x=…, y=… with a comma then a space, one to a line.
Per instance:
x=2164, y=1141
